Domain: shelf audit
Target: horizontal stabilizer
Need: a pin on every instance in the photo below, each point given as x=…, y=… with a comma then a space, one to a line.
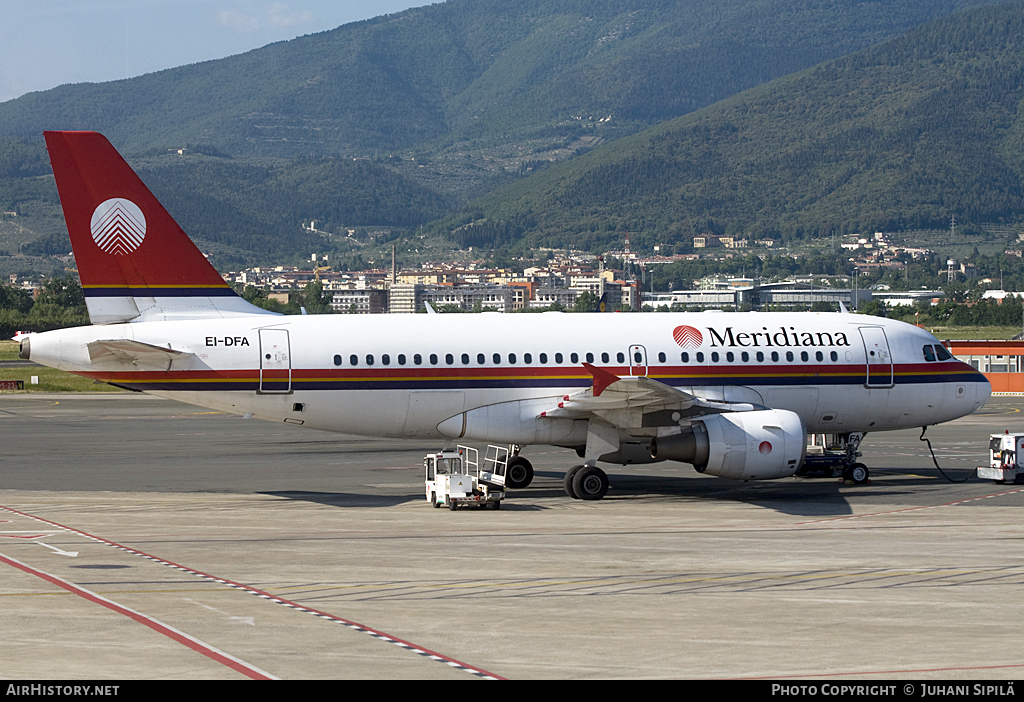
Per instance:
x=134, y=352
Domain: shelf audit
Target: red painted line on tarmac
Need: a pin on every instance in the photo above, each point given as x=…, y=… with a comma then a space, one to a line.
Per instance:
x=157, y=626
x=427, y=653
x=912, y=509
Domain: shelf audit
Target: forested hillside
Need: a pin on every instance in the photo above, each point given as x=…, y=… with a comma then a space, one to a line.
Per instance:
x=491, y=70
x=445, y=102
x=243, y=210
x=907, y=134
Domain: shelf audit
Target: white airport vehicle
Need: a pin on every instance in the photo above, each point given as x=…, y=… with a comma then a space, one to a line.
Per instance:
x=733, y=394
x=455, y=478
x=1006, y=459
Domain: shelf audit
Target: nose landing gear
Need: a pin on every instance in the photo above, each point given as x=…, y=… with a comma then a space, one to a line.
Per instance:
x=837, y=452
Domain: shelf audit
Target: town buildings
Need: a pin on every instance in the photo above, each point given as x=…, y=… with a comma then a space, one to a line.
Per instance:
x=449, y=288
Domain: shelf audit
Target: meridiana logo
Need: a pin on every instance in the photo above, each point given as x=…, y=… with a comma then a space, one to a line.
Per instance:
x=687, y=337
x=118, y=226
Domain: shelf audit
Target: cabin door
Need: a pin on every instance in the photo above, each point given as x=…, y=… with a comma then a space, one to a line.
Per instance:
x=878, y=359
x=275, y=362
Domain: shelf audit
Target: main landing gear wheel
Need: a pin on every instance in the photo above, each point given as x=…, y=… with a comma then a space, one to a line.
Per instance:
x=518, y=473
x=586, y=482
x=858, y=473
x=567, y=481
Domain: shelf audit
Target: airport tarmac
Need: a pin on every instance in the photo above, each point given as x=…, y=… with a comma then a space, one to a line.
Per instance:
x=207, y=546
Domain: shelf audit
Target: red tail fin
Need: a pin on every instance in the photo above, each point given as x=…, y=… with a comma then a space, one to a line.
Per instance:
x=133, y=258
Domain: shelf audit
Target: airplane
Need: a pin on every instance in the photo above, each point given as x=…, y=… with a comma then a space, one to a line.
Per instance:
x=734, y=394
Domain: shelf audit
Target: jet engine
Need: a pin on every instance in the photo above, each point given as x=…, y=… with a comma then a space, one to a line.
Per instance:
x=758, y=445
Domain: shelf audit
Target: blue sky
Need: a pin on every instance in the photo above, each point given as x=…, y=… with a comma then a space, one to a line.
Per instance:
x=46, y=43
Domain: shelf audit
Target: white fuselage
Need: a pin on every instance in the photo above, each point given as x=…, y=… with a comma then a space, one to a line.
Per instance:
x=402, y=376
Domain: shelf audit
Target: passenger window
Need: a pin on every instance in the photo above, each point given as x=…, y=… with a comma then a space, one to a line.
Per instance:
x=401, y=359
x=929, y=352
x=558, y=358
x=574, y=357
x=337, y=360
x=449, y=359
x=543, y=358
x=497, y=359
x=527, y=358
x=590, y=357
x=481, y=359
x=834, y=356
x=417, y=359
x=604, y=357
x=818, y=355
x=803, y=356
x=942, y=353
x=729, y=356
x=684, y=357
x=661, y=357
x=789, y=356
x=433, y=359
x=511, y=358
x=620, y=357
x=385, y=359
x=354, y=360
x=745, y=356
x=775, y=356
x=700, y=357
x=369, y=359
x=465, y=359
x=714, y=357
x=760, y=357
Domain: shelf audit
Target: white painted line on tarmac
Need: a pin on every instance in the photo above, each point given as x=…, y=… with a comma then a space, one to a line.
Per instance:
x=59, y=552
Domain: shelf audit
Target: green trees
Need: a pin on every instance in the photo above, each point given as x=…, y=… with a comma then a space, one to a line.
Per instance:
x=59, y=303
x=314, y=299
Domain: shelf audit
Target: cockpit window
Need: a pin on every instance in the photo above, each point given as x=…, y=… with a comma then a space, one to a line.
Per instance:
x=942, y=353
x=929, y=354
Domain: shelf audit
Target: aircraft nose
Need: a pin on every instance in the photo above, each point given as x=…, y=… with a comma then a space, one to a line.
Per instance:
x=983, y=391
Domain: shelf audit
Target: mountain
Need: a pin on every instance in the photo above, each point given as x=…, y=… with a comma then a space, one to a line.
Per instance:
x=241, y=211
x=472, y=72
x=907, y=134
x=440, y=104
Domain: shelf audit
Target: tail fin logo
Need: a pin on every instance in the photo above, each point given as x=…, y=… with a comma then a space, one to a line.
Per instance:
x=118, y=226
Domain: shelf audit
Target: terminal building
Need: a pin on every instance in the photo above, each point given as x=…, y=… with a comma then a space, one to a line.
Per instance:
x=750, y=294
x=408, y=298
x=1002, y=362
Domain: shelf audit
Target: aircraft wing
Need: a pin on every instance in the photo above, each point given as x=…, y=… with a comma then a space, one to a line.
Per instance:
x=134, y=352
x=637, y=402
